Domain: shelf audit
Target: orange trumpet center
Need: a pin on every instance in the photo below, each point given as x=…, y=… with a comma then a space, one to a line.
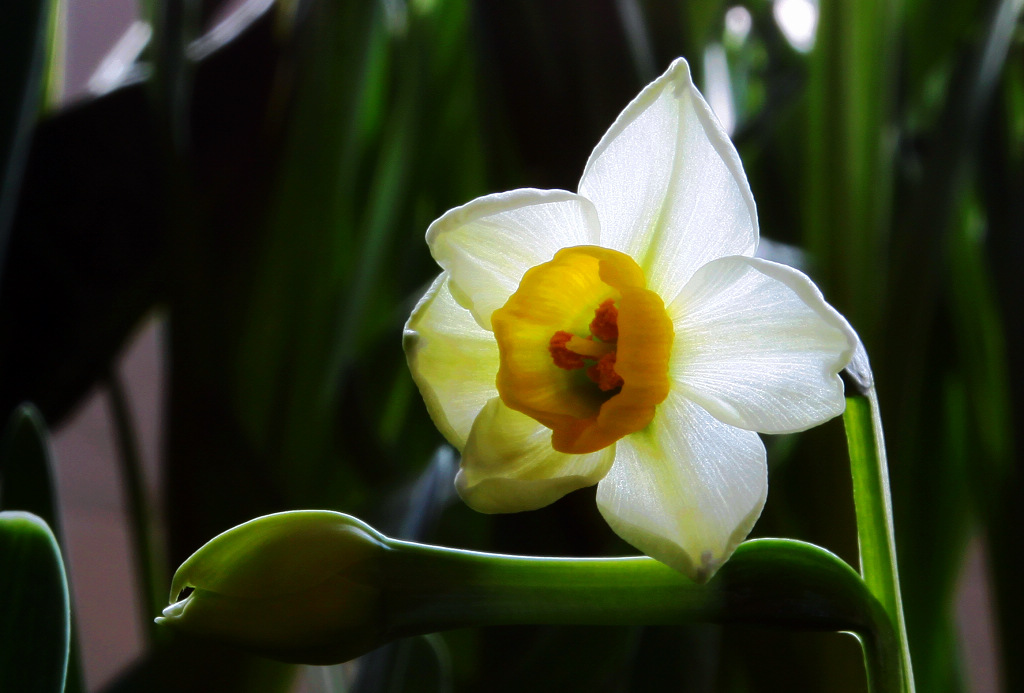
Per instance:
x=584, y=348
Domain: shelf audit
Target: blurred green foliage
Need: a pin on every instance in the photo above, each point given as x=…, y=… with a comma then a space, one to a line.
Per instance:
x=267, y=192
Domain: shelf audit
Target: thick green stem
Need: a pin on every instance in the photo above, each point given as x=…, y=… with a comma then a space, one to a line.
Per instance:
x=767, y=582
x=324, y=587
x=446, y=589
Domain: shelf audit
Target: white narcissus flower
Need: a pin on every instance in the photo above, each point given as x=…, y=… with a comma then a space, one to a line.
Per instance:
x=626, y=336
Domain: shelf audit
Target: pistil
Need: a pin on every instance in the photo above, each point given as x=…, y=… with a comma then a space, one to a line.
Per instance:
x=595, y=352
x=590, y=348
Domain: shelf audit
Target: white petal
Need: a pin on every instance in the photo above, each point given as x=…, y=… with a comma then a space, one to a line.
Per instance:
x=669, y=186
x=757, y=346
x=687, y=489
x=488, y=244
x=509, y=465
x=453, y=361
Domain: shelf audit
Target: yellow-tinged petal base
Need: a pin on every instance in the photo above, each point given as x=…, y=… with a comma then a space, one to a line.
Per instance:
x=508, y=464
x=570, y=294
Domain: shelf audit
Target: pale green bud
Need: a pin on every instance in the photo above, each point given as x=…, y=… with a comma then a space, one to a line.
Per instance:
x=295, y=586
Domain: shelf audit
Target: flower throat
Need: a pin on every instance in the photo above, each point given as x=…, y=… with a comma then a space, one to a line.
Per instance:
x=596, y=352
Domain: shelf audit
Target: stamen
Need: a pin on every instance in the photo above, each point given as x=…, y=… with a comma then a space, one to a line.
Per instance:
x=605, y=325
x=603, y=373
x=561, y=355
x=569, y=351
x=589, y=348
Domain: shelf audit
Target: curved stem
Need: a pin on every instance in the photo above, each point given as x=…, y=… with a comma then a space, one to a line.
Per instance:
x=770, y=582
x=873, y=504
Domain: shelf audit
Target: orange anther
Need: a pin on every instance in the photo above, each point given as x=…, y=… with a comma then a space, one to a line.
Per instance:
x=605, y=325
x=561, y=355
x=603, y=373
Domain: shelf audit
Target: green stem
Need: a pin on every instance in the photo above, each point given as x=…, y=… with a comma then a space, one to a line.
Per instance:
x=873, y=504
x=325, y=587
x=141, y=523
x=770, y=582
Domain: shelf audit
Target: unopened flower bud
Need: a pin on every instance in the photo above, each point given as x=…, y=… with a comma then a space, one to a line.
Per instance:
x=295, y=586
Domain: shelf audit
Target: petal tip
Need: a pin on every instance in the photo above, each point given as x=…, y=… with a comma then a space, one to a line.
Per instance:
x=678, y=73
x=708, y=567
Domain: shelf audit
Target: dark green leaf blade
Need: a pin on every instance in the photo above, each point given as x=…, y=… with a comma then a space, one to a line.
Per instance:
x=83, y=271
x=848, y=171
x=23, y=37
x=28, y=483
x=26, y=477
x=35, y=624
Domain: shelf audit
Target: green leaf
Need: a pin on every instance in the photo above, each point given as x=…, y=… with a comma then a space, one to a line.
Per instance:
x=1001, y=178
x=924, y=236
x=147, y=553
x=23, y=41
x=26, y=476
x=982, y=348
x=56, y=54
x=557, y=74
x=27, y=483
x=35, y=624
x=81, y=273
x=175, y=25
x=934, y=296
x=302, y=262
x=848, y=169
